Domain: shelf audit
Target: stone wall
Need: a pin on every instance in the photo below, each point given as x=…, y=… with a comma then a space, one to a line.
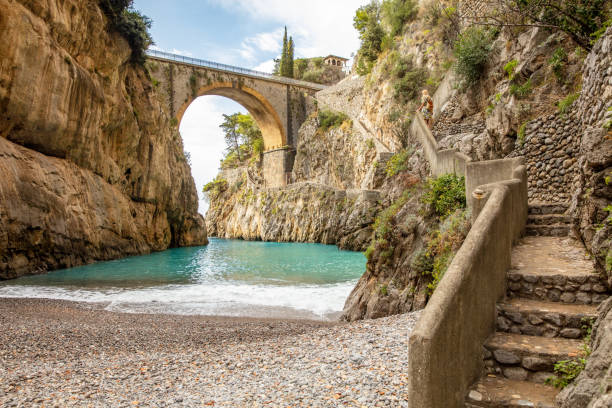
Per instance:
x=592, y=193
x=551, y=145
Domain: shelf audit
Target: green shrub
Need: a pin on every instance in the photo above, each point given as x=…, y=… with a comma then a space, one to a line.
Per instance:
x=398, y=163
x=382, y=223
x=299, y=67
x=394, y=115
x=441, y=247
x=409, y=79
x=193, y=85
x=595, y=36
x=557, y=62
x=258, y=146
x=131, y=24
x=445, y=194
x=396, y=13
x=471, y=50
x=368, y=252
x=521, y=91
x=567, y=370
x=521, y=134
x=329, y=119
x=422, y=263
x=509, y=68
x=314, y=75
x=383, y=290
x=564, y=104
x=317, y=61
x=215, y=187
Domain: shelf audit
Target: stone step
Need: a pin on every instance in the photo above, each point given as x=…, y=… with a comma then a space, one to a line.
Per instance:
x=549, y=219
x=568, y=288
x=554, y=230
x=548, y=208
x=548, y=319
x=554, y=269
x=495, y=392
x=527, y=358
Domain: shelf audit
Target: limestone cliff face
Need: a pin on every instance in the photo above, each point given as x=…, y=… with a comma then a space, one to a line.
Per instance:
x=302, y=212
x=321, y=205
x=91, y=168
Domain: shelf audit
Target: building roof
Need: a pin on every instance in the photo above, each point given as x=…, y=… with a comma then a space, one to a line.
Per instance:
x=336, y=57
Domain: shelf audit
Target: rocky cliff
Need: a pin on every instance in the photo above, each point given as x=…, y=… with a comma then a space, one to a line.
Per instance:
x=322, y=204
x=91, y=167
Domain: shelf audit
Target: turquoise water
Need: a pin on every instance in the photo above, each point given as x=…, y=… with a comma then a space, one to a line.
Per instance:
x=227, y=277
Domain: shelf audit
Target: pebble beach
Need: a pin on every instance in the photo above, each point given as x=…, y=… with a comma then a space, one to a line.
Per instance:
x=56, y=353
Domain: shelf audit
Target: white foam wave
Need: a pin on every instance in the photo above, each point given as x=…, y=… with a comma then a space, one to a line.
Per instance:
x=235, y=299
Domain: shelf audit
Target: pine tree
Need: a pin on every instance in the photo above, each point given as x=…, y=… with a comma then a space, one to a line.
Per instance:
x=290, y=58
x=232, y=135
x=284, y=55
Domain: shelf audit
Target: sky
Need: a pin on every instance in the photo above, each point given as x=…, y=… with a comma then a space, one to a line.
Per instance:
x=245, y=33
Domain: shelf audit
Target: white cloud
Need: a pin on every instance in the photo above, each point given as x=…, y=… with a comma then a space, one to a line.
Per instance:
x=319, y=27
x=203, y=139
x=257, y=44
x=266, y=66
x=172, y=51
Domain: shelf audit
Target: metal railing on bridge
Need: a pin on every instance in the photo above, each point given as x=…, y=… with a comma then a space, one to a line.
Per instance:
x=230, y=68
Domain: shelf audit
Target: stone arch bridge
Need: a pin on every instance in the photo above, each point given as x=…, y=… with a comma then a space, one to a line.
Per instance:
x=278, y=105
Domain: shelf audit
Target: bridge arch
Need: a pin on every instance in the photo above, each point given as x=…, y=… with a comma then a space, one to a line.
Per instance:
x=268, y=120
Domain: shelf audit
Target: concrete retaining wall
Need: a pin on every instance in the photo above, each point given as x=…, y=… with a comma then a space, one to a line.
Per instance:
x=446, y=344
x=277, y=166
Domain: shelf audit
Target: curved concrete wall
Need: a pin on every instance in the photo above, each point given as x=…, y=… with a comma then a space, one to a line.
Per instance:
x=446, y=344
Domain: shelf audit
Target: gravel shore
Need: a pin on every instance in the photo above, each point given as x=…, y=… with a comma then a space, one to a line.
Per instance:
x=56, y=353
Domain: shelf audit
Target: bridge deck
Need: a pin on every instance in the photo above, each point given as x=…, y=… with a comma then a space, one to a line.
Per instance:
x=166, y=56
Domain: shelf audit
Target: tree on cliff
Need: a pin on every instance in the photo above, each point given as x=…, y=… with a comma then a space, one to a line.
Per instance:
x=242, y=137
x=378, y=23
x=131, y=24
x=232, y=137
x=367, y=22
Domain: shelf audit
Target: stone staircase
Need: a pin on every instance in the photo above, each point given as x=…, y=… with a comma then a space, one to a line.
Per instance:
x=548, y=219
x=551, y=289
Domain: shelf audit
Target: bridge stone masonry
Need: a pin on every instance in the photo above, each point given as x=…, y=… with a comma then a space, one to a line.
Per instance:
x=278, y=105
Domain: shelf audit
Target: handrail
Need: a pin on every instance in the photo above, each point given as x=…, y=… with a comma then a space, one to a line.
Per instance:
x=230, y=68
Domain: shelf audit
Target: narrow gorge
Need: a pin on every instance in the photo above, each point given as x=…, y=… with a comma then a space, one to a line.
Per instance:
x=486, y=233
